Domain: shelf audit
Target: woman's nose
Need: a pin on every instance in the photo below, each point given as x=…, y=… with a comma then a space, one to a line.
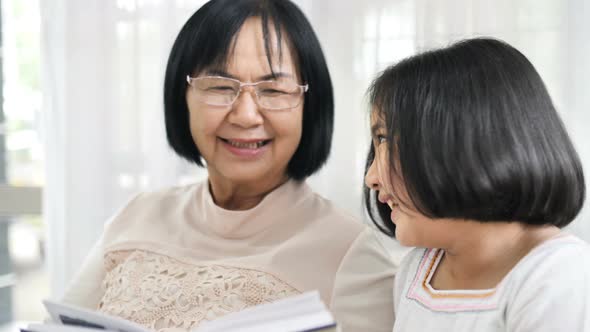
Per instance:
x=245, y=111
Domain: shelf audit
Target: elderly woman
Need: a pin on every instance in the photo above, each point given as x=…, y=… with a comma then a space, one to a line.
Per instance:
x=247, y=95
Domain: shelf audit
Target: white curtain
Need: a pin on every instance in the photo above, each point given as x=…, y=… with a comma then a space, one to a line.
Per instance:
x=103, y=67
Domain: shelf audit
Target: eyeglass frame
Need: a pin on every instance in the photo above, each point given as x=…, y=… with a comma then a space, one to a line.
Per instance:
x=302, y=90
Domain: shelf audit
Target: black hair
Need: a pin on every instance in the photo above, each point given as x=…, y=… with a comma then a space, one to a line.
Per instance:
x=476, y=136
x=206, y=40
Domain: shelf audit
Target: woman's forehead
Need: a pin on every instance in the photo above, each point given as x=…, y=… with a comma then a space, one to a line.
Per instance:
x=250, y=48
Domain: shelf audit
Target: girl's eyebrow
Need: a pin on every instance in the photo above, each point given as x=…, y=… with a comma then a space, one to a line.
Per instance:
x=375, y=128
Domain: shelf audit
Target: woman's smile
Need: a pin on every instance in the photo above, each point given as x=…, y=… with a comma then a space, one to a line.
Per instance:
x=246, y=148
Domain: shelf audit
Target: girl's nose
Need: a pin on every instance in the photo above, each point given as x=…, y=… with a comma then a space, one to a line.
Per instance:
x=372, y=178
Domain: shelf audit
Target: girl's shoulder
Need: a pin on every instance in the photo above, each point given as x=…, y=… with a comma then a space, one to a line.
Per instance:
x=561, y=253
x=549, y=287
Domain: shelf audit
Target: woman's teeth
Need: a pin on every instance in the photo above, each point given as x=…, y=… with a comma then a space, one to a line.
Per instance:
x=247, y=145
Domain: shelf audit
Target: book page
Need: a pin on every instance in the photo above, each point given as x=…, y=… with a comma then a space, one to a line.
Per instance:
x=304, y=312
x=70, y=315
x=61, y=328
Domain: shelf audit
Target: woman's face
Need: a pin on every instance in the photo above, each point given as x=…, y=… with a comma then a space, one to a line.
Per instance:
x=243, y=143
x=412, y=228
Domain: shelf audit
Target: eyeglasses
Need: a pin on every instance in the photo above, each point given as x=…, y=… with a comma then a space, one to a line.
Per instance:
x=223, y=91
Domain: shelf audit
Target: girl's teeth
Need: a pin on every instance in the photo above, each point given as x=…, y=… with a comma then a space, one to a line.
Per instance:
x=391, y=205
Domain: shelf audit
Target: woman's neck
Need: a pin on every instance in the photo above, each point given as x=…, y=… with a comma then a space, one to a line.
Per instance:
x=232, y=195
x=486, y=252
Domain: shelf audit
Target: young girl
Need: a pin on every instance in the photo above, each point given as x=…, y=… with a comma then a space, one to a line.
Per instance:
x=474, y=167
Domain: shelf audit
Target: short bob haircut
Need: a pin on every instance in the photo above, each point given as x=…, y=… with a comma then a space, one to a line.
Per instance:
x=477, y=137
x=206, y=41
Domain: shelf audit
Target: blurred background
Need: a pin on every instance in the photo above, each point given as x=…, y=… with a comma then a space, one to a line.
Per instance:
x=81, y=125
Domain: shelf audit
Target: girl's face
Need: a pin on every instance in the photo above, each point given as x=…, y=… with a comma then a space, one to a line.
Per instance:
x=412, y=228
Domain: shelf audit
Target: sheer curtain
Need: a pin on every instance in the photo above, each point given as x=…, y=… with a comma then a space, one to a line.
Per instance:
x=103, y=71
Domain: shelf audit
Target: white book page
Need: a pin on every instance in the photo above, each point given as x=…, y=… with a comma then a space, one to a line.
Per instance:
x=62, y=313
x=61, y=328
x=298, y=313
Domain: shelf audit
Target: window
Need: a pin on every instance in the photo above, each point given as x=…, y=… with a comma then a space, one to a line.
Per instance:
x=23, y=279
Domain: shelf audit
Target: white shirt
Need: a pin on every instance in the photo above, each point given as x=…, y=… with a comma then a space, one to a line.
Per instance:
x=548, y=290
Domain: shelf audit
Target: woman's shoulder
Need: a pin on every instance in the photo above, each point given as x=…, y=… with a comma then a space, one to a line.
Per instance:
x=166, y=194
x=159, y=199
x=317, y=220
x=148, y=208
x=326, y=211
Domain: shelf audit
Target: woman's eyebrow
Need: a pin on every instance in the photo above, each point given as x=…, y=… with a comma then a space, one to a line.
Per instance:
x=219, y=72
x=275, y=76
x=223, y=73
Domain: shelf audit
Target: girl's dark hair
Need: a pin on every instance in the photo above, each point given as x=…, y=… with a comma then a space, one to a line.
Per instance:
x=477, y=136
x=206, y=40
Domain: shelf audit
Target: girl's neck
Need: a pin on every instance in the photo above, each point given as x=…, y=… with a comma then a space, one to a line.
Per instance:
x=486, y=252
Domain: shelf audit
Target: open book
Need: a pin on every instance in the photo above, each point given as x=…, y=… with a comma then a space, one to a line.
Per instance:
x=304, y=312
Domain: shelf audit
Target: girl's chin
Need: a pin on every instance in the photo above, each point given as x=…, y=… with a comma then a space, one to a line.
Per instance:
x=403, y=239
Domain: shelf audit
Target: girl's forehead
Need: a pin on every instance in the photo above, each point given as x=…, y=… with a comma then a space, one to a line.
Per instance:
x=377, y=117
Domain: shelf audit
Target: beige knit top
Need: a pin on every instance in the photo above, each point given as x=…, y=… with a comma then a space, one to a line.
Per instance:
x=173, y=258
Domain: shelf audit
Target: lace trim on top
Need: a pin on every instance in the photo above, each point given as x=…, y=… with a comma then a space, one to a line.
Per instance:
x=160, y=292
